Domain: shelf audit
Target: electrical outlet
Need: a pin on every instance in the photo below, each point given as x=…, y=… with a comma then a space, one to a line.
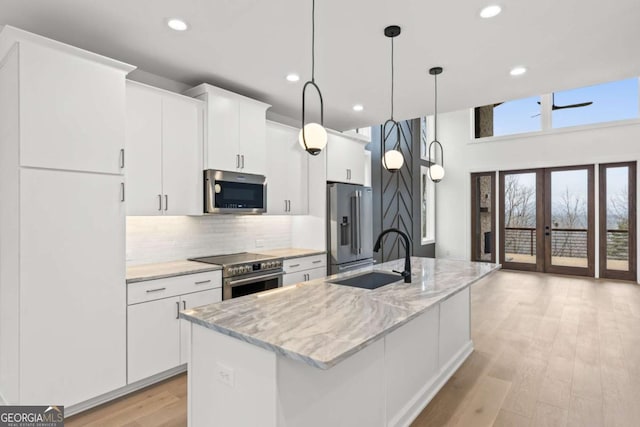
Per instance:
x=259, y=243
x=226, y=375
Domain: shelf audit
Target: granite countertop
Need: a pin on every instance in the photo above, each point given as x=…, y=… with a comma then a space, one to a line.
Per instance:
x=142, y=273
x=320, y=323
x=289, y=253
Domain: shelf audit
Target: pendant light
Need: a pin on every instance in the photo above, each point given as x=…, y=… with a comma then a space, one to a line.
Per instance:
x=313, y=136
x=392, y=160
x=436, y=171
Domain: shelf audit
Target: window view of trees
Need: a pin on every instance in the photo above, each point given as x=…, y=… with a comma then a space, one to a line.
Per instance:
x=520, y=217
x=569, y=218
x=618, y=218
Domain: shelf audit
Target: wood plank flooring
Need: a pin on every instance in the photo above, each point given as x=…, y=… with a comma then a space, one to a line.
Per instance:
x=549, y=351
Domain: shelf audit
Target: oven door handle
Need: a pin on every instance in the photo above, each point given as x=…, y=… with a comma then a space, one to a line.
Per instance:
x=233, y=283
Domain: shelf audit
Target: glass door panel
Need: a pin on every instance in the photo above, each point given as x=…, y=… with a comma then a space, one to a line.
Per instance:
x=519, y=218
x=617, y=221
x=568, y=230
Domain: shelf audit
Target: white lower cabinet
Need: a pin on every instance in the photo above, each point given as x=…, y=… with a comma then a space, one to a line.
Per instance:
x=157, y=339
x=153, y=338
x=190, y=301
x=303, y=269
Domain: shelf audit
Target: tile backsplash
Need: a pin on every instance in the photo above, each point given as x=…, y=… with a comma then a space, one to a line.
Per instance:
x=160, y=239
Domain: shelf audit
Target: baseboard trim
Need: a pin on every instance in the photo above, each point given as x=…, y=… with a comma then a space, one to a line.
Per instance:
x=420, y=401
x=123, y=391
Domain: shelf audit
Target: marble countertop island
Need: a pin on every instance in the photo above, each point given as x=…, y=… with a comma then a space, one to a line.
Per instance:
x=321, y=324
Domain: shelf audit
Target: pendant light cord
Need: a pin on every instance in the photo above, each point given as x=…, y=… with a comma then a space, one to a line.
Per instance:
x=435, y=115
x=313, y=41
x=392, y=77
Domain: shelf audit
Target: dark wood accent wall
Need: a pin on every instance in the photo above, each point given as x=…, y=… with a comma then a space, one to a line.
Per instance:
x=396, y=196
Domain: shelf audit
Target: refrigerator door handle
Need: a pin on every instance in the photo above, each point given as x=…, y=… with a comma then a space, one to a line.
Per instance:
x=359, y=217
x=354, y=223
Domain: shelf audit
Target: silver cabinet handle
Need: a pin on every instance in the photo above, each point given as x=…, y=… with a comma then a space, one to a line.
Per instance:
x=203, y=282
x=166, y=202
x=317, y=261
x=242, y=161
x=177, y=309
x=184, y=305
x=159, y=202
x=122, y=191
x=122, y=158
x=237, y=161
x=285, y=206
x=155, y=290
x=294, y=265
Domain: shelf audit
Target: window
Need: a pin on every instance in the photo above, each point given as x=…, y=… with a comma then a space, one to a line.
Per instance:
x=508, y=118
x=427, y=207
x=596, y=104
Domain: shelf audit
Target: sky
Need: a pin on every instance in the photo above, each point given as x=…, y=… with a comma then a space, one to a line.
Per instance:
x=611, y=101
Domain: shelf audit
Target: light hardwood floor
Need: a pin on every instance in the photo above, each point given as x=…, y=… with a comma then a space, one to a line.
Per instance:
x=549, y=351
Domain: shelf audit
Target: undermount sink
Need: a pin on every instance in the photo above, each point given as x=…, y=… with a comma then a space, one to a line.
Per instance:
x=371, y=280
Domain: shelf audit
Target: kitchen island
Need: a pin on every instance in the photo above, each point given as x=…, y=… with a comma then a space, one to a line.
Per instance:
x=318, y=354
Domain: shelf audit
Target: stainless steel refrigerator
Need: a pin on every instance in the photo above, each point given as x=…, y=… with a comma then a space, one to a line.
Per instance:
x=349, y=228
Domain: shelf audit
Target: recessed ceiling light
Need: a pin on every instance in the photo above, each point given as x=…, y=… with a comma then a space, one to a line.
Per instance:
x=177, y=24
x=490, y=11
x=518, y=71
x=293, y=77
x=358, y=107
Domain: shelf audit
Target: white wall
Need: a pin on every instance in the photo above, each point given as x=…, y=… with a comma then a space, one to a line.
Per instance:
x=170, y=238
x=585, y=145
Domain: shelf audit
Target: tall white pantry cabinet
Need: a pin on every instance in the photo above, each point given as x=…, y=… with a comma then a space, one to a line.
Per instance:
x=62, y=221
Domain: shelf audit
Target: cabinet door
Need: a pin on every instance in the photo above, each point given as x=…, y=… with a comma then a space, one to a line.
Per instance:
x=316, y=273
x=222, y=133
x=252, y=137
x=72, y=112
x=182, y=156
x=189, y=301
x=153, y=337
x=143, y=159
x=72, y=290
x=345, y=160
x=294, y=278
x=286, y=172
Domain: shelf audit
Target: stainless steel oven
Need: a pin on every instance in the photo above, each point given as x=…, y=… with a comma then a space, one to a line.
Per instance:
x=234, y=287
x=246, y=273
x=234, y=193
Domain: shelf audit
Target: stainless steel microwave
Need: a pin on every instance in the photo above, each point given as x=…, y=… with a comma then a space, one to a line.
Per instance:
x=234, y=193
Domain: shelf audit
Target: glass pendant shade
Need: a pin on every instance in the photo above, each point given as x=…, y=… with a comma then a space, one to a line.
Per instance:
x=315, y=136
x=393, y=160
x=437, y=172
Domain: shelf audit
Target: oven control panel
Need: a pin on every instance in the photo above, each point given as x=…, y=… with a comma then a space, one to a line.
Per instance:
x=252, y=267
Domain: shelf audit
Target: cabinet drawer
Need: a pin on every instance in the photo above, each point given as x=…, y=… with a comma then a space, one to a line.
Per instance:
x=304, y=263
x=172, y=286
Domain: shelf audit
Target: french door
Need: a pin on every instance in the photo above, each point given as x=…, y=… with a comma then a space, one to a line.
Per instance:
x=617, y=188
x=547, y=220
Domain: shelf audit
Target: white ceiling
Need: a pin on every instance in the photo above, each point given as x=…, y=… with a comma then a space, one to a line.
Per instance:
x=250, y=45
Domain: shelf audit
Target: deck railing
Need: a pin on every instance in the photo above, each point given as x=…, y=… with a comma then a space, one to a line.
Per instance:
x=565, y=242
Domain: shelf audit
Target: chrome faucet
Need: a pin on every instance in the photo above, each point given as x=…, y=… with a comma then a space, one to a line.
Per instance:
x=407, y=259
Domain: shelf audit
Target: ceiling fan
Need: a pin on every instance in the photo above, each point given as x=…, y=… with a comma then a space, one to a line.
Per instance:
x=555, y=107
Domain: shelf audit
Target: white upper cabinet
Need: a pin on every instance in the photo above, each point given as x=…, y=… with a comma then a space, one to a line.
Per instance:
x=235, y=130
x=164, y=152
x=144, y=150
x=287, y=172
x=182, y=144
x=345, y=160
x=71, y=109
